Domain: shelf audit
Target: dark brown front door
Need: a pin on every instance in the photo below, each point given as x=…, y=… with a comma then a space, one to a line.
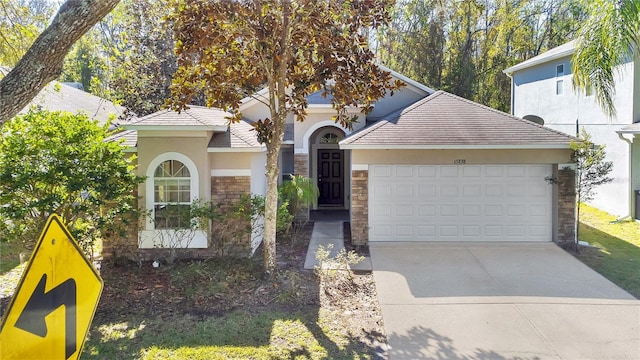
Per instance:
x=331, y=177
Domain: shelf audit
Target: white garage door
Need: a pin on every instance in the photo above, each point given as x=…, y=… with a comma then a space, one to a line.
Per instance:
x=459, y=203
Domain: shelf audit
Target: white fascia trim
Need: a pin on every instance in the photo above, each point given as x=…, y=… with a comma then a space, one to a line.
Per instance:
x=214, y=128
x=630, y=131
x=238, y=149
x=250, y=100
x=450, y=147
x=407, y=80
x=323, y=108
x=230, y=172
x=360, y=167
x=288, y=142
x=541, y=60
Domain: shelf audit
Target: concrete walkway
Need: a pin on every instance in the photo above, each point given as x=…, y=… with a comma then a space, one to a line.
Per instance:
x=500, y=301
x=326, y=233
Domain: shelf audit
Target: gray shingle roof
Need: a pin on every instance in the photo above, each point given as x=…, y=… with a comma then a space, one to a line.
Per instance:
x=238, y=135
x=130, y=137
x=195, y=116
x=60, y=97
x=444, y=119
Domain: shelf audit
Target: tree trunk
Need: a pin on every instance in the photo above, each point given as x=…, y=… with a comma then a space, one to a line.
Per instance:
x=271, y=209
x=43, y=61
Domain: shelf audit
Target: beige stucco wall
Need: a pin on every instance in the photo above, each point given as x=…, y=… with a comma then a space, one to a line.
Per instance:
x=224, y=160
x=470, y=157
x=194, y=146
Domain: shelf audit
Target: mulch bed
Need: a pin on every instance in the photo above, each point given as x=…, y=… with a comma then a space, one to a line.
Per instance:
x=213, y=287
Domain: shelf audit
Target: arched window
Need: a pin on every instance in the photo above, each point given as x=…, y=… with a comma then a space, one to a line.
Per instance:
x=329, y=138
x=171, y=195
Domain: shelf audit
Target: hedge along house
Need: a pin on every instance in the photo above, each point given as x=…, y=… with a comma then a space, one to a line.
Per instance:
x=422, y=166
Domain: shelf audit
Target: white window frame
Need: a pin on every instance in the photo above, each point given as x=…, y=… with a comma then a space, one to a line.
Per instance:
x=151, y=169
x=150, y=237
x=180, y=180
x=559, y=79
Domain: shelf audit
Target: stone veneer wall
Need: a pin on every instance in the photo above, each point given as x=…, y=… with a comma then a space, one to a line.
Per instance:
x=226, y=190
x=360, y=207
x=566, y=207
x=301, y=164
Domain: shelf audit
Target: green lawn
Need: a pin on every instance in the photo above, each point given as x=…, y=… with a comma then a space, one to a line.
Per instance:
x=617, y=256
x=240, y=334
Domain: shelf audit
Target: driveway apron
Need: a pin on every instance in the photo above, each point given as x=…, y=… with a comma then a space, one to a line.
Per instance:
x=500, y=301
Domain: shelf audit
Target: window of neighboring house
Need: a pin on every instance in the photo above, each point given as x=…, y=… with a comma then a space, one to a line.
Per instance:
x=560, y=79
x=172, y=195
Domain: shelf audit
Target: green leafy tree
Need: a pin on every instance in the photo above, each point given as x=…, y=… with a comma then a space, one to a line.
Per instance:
x=609, y=37
x=462, y=46
x=229, y=49
x=135, y=38
x=60, y=162
x=21, y=21
x=591, y=169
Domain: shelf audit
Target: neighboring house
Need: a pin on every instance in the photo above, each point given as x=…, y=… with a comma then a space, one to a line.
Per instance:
x=70, y=97
x=542, y=92
x=57, y=96
x=424, y=165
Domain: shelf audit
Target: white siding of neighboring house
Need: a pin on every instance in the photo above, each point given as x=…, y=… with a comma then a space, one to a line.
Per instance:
x=534, y=93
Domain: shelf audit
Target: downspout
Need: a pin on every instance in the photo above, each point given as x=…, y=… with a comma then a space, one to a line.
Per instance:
x=512, y=110
x=630, y=192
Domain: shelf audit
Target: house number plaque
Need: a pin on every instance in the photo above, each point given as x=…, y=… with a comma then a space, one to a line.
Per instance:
x=459, y=161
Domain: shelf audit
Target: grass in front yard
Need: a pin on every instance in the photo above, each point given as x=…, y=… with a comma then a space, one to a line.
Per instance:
x=241, y=334
x=617, y=256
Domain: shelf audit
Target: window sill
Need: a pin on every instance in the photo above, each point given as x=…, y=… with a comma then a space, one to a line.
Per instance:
x=159, y=239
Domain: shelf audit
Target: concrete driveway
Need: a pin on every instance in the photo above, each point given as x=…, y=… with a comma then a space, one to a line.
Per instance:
x=500, y=301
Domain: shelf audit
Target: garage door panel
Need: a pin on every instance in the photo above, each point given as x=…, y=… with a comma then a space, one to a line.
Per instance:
x=448, y=210
x=449, y=203
x=449, y=171
x=403, y=171
x=404, y=191
x=472, y=191
x=472, y=171
x=449, y=231
x=471, y=210
x=449, y=190
x=516, y=171
x=426, y=171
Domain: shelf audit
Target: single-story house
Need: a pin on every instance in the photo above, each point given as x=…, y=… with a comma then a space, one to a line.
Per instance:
x=424, y=165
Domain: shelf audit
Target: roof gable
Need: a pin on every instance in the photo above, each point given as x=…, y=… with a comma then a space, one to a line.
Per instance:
x=316, y=98
x=558, y=52
x=194, y=118
x=238, y=135
x=444, y=120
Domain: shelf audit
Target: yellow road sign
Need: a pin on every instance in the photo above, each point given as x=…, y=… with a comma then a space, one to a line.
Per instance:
x=52, y=308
